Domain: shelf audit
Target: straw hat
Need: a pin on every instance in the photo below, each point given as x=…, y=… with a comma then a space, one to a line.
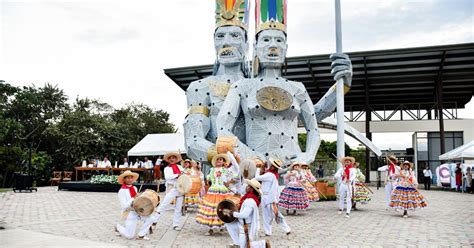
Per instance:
x=170, y=154
x=276, y=163
x=393, y=158
x=343, y=159
x=407, y=163
x=126, y=174
x=255, y=185
x=221, y=155
x=293, y=165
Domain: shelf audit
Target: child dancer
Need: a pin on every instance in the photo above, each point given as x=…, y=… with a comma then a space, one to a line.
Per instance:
x=361, y=194
x=347, y=176
x=207, y=214
x=194, y=170
x=308, y=181
x=293, y=197
x=126, y=195
x=405, y=196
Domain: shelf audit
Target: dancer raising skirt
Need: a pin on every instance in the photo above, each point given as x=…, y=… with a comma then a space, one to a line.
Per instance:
x=308, y=183
x=361, y=194
x=293, y=197
x=405, y=196
x=192, y=200
x=207, y=214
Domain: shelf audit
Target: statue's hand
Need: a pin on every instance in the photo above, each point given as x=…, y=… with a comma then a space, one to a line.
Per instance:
x=341, y=67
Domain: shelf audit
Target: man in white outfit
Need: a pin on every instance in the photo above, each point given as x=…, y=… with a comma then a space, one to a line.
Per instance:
x=247, y=225
x=126, y=197
x=390, y=179
x=172, y=172
x=346, y=175
x=270, y=197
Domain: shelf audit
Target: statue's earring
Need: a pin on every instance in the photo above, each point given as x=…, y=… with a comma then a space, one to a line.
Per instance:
x=255, y=66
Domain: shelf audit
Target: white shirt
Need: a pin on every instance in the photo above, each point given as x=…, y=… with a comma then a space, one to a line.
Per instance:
x=249, y=212
x=106, y=164
x=269, y=188
x=136, y=165
x=170, y=177
x=235, y=171
x=148, y=164
x=158, y=162
x=427, y=173
x=390, y=176
x=352, y=174
x=125, y=199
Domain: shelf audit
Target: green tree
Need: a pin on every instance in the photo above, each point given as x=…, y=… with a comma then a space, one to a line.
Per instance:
x=39, y=121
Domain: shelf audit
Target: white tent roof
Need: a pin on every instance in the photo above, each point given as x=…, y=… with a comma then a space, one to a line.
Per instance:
x=463, y=152
x=159, y=144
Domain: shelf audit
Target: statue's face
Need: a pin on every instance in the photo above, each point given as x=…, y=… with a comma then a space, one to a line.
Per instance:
x=231, y=45
x=271, y=48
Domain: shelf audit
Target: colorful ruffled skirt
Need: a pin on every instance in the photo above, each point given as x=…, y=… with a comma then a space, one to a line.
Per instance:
x=407, y=198
x=293, y=198
x=207, y=213
x=311, y=192
x=361, y=194
x=192, y=200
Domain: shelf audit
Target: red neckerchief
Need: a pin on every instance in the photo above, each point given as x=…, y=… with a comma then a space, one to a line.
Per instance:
x=175, y=168
x=391, y=168
x=133, y=193
x=274, y=173
x=249, y=195
x=347, y=172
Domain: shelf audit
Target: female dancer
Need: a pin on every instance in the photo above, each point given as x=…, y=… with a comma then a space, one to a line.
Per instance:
x=207, y=215
x=405, y=196
x=293, y=197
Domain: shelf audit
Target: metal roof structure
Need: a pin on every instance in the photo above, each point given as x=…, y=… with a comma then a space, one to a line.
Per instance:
x=407, y=76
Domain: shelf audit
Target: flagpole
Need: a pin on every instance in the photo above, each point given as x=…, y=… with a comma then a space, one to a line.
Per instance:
x=339, y=90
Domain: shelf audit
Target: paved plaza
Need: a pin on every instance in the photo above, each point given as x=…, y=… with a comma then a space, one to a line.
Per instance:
x=64, y=219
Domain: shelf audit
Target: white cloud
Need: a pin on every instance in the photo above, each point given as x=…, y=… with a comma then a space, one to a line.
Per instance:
x=117, y=50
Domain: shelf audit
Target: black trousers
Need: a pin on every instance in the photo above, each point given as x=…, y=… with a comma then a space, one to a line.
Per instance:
x=427, y=183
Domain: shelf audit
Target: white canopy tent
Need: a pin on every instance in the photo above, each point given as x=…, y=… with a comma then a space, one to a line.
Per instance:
x=464, y=152
x=159, y=144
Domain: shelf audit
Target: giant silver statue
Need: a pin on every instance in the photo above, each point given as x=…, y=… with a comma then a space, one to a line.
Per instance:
x=205, y=97
x=271, y=104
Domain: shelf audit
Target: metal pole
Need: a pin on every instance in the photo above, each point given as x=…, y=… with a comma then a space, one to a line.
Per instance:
x=339, y=90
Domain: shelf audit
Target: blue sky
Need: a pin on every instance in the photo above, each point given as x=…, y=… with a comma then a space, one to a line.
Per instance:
x=117, y=50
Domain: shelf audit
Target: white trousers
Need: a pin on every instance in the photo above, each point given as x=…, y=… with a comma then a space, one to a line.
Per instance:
x=388, y=192
x=345, y=193
x=233, y=230
x=269, y=216
x=128, y=231
x=166, y=203
x=237, y=233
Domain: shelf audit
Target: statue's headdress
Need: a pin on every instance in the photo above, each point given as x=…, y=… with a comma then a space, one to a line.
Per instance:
x=270, y=14
x=232, y=13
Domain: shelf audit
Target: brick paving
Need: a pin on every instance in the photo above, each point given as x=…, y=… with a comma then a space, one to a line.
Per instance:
x=90, y=217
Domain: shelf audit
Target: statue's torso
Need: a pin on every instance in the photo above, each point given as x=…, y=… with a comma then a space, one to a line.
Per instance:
x=271, y=133
x=213, y=90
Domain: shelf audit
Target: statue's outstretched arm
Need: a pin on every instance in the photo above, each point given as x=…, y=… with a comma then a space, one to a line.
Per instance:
x=341, y=67
x=312, y=132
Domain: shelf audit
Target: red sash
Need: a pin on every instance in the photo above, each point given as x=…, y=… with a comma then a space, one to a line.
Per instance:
x=249, y=195
x=347, y=172
x=133, y=193
x=175, y=168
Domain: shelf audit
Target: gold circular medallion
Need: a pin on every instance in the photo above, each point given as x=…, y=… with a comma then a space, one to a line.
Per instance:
x=274, y=98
